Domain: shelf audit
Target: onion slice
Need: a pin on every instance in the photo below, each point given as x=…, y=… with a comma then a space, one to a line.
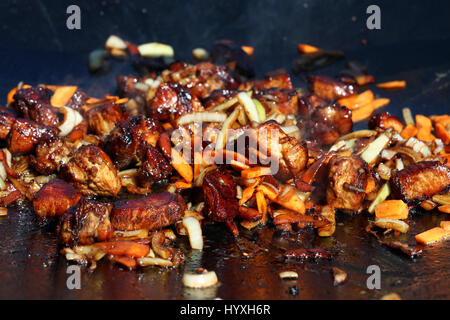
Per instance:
x=204, y=116
x=194, y=231
x=201, y=280
x=249, y=106
x=72, y=118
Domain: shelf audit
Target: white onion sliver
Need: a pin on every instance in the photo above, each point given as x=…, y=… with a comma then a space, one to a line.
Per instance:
x=194, y=231
x=202, y=280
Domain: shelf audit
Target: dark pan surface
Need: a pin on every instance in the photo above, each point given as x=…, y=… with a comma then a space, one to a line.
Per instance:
x=413, y=45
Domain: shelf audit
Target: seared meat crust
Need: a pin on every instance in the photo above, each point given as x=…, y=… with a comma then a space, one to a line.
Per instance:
x=103, y=119
x=152, y=212
x=420, y=181
x=329, y=89
x=91, y=171
x=347, y=171
x=7, y=117
x=154, y=167
x=85, y=223
x=54, y=198
x=50, y=155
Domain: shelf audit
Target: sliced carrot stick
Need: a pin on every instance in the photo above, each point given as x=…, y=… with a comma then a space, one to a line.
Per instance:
x=445, y=209
x=306, y=48
x=356, y=101
x=248, y=50
x=432, y=235
x=239, y=165
x=128, y=262
x=121, y=101
x=362, y=112
x=445, y=225
x=181, y=165
x=62, y=95
x=248, y=192
x=380, y=103
x=424, y=127
x=182, y=185
x=268, y=191
x=442, y=133
x=371, y=185
x=394, y=209
x=443, y=120
x=289, y=199
x=261, y=203
x=409, y=131
x=167, y=126
x=392, y=85
x=13, y=91
x=124, y=248
x=256, y=172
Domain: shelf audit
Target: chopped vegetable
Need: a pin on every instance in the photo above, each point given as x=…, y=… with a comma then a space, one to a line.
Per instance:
x=445, y=209
x=373, y=150
x=62, y=95
x=306, y=48
x=394, y=209
x=288, y=275
x=256, y=172
x=124, y=248
x=180, y=164
x=248, y=50
x=442, y=133
x=156, y=50
x=357, y=101
x=392, y=85
x=249, y=106
x=387, y=223
x=409, y=131
x=432, y=235
x=194, y=231
x=424, y=128
x=200, y=280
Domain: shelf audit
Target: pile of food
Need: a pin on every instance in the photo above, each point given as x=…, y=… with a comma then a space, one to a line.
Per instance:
x=182, y=144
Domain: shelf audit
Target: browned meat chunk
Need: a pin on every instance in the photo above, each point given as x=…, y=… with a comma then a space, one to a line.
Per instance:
x=91, y=171
x=307, y=104
x=85, y=223
x=78, y=99
x=7, y=117
x=280, y=80
x=271, y=141
x=155, y=211
x=384, y=121
x=218, y=97
x=420, y=181
x=202, y=78
x=328, y=123
x=34, y=103
x=171, y=101
x=123, y=142
x=220, y=195
x=154, y=167
x=54, y=198
x=50, y=155
x=286, y=100
x=347, y=183
x=330, y=89
x=103, y=119
x=25, y=134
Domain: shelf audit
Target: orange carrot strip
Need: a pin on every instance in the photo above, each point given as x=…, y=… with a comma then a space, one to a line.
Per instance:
x=394, y=209
x=269, y=192
x=247, y=193
x=380, y=103
x=356, y=101
x=290, y=200
x=445, y=209
x=306, y=48
x=182, y=167
x=363, y=112
x=248, y=50
x=442, y=133
x=13, y=91
x=239, y=165
x=392, y=85
x=62, y=95
x=124, y=248
x=432, y=235
x=409, y=131
x=371, y=185
x=182, y=185
x=443, y=120
x=256, y=172
x=128, y=262
x=120, y=101
x=424, y=127
x=261, y=203
x=167, y=126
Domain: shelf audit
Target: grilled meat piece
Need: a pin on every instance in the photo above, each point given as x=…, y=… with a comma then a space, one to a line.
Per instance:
x=25, y=134
x=54, y=198
x=152, y=212
x=123, y=142
x=218, y=97
x=7, y=117
x=202, y=78
x=91, y=171
x=103, y=119
x=385, y=120
x=286, y=100
x=85, y=223
x=78, y=99
x=329, y=89
x=347, y=183
x=279, y=79
x=34, y=103
x=51, y=154
x=220, y=195
x=420, y=181
x=291, y=154
x=155, y=167
x=328, y=123
x=171, y=101
x=307, y=104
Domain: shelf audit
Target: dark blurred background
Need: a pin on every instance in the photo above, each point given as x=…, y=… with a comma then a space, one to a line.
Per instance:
x=413, y=43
